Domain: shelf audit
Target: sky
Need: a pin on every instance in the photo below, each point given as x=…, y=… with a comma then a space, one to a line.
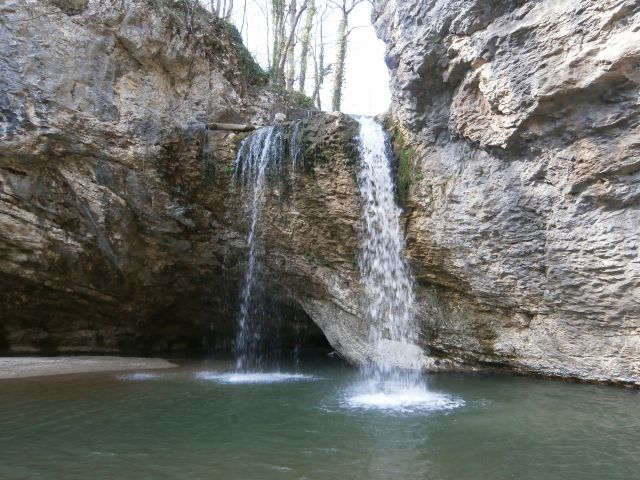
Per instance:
x=367, y=77
x=366, y=90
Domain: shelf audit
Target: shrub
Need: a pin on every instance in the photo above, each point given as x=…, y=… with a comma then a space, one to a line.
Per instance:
x=190, y=14
x=300, y=100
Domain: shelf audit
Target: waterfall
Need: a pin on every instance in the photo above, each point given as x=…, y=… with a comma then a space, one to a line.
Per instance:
x=389, y=304
x=259, y=154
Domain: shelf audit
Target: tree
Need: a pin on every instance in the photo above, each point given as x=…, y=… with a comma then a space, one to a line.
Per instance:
x=291, y=51
x=221, y=8
x=345, y=8
x=285, y=49
x=320, y=70
x=306, y=39
x=278, y=21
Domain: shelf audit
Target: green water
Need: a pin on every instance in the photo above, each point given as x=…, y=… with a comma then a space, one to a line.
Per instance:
x=184, y=424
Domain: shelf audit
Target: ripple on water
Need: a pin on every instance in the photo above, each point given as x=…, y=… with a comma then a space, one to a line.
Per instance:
x=400, y=399
x=258, y=377
x=138, y=376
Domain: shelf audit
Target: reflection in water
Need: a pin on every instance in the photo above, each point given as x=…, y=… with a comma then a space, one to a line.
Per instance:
x=139, y=376
x=253, y=377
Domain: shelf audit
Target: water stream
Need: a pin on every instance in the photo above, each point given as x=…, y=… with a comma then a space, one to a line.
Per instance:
x=392, y=379
x=388, y=284
x=259, y=154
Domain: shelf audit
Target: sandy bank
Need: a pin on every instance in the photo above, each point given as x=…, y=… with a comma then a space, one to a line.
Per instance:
x=21, y=367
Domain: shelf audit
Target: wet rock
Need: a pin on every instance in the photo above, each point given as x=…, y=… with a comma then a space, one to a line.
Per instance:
x=523, y=209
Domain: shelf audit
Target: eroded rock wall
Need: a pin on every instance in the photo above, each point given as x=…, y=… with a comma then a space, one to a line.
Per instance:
x=121, y=229
x=523, y=213
x=115, y=234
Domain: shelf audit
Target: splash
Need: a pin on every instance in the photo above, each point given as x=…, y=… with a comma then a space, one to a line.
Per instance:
x=398, y=397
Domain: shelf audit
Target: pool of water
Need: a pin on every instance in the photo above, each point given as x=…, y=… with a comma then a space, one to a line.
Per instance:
x=317, y=421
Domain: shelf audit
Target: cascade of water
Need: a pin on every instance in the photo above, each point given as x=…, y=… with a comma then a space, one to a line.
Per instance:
x=258, y=153
x=389, y=308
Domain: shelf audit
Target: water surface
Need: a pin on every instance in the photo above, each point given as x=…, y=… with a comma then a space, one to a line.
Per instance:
x=321, y=421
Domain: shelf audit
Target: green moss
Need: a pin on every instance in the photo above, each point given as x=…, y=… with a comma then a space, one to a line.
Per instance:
x=312, y=258
x=405, y=163
x=227, y=170
x=253, y=72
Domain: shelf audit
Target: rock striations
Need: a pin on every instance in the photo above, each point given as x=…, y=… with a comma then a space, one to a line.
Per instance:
x=523, y=214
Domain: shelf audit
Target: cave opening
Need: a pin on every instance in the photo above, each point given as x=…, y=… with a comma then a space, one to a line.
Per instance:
x=206, y=327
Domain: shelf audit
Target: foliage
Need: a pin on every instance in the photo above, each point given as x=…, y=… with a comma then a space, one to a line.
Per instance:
x=188, y=13
x=300, y=100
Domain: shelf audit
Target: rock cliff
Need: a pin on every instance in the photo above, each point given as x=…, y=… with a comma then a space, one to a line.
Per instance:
x=520, y=120
x=115, y=226
x=515, y=125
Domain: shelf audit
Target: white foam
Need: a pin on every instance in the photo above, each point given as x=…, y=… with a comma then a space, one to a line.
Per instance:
x=401, y=399
x=257, y=377
x=138, y=376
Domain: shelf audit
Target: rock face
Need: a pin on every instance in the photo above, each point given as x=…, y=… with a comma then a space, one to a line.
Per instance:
x=115, y=225
x=524, y=209
x=123, y=230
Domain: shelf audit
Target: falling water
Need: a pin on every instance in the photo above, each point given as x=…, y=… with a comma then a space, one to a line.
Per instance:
x=259, y=154
x=388, y=284
x=392, y=377
x=389, y=307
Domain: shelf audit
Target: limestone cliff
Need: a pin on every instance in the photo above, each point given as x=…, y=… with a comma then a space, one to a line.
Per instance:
x=523, y=210
x=114, y=203
x=516, y=129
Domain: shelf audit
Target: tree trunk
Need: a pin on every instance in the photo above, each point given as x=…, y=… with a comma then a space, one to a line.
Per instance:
x=291, y=50
x=244, y=17
x=318, y=60
x=278, y=10
x=341, y=55
x=233, y=127
x=283, y=54
x=306, y=36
